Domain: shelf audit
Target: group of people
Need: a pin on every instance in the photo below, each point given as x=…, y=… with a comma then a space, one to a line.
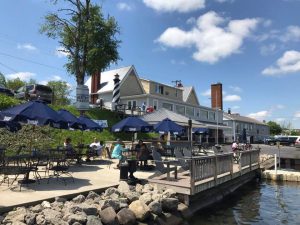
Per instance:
x=95, y=146
x=140, y=150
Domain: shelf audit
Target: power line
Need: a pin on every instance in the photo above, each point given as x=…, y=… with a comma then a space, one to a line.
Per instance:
x=31, y=61
x=7, y=67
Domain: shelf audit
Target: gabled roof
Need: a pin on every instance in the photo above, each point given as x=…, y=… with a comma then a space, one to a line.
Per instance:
x=187, y=91
x=162, y=114
x=238, y=117
x=107, y=83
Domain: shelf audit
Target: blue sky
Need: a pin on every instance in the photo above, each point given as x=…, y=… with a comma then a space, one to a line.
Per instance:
x=251, y=46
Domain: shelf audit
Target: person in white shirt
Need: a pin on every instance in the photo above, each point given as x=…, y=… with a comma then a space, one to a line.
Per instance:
x=97, y=146
x=234, y=146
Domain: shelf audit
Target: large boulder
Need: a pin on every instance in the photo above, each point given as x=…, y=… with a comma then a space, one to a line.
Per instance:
x=52, y=216
x=29, y=219
x=155, y=207
x=169, y=193
x=123, y=187
x=184, y=211
x=46, y=204
x=111, y=191
x=139, y=188
x=80, y=218
x=79, y=199
x=36, y=209
x=60, y=199
x=147, y=188
x=89, y=209
x=146, y=198
x=93, y=220
x=157, y=197
x=169, y=204
x=15, y=216
x=40, y=220
x=140, y=209
x=109, y=216
x=115, y=204
x=126, y=217
x=132, y=196
x=92, y=195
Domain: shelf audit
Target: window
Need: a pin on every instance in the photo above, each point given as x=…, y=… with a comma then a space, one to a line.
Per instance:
x=176, y=93
x=131, y=104
x=204, y=114
x=197, y=113
x=180, y=109
x=212, y=115
x=167, y=106
x=159, y=89
x=189, y=111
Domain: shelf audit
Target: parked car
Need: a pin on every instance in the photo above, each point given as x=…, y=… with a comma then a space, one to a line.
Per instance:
x=286, y=140
x=35, y=92
x=297, y=142
x=6, y=91
x=267, y=140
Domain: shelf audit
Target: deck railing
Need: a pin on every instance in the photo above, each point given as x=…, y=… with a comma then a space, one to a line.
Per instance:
x=208, y=171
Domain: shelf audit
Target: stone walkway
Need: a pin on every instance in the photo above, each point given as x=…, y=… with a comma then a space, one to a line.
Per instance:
x=96, y=175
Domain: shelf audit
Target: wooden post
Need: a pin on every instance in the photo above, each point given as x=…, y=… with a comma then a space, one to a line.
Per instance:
x=240, y=163
x=250, y=160
x=192, y=177
x=231, y=167
x=168, y=171
x=216, y=170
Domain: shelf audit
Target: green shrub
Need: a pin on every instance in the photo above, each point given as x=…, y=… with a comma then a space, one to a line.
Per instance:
x=7, y=101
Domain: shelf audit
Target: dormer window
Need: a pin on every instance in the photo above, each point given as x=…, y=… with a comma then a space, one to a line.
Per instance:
x=159, y=89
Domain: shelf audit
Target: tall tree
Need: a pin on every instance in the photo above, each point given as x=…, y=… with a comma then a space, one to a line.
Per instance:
x=61, y=92
x=275, y=128
x=15, y=84
x=85, y=35
x=2, y=80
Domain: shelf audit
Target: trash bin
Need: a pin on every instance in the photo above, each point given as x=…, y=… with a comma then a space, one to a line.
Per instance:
x=124, y=171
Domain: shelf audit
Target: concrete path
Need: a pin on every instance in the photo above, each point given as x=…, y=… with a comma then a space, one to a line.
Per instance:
x=96, y=175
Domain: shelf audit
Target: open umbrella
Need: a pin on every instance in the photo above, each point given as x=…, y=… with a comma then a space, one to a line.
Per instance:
x=33, y=112
x=9, y=125
x=167, y=125
x=132, y=124
x=89, y=124
x=73, y=121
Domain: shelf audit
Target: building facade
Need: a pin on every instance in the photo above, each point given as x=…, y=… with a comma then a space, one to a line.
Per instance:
x=244, y=128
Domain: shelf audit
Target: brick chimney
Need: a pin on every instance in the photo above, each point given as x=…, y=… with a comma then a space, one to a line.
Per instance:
x=217, y=96
x=95, y=85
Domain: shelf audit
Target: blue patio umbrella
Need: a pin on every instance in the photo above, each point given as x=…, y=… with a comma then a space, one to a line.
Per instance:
x=168, y=125
x=33, y=112
x=132, y=124
x=73, y=121
x=200, y=130
x=89, y=124
x=11, y=126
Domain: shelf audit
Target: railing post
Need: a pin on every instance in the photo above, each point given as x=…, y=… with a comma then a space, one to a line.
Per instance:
x=250, y=166
x=231, y=167
x=192, y=179
x=240, y=162
x=216, y=170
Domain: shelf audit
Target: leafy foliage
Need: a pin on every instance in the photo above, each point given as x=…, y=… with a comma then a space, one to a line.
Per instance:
x=275, y=128
x=2, y=80
x=15, y=84
x=88, y=39
x=7, y=101
x=61, y=91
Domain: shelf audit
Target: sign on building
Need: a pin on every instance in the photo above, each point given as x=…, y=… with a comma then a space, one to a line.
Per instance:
x=82, y=97
x=102, y=123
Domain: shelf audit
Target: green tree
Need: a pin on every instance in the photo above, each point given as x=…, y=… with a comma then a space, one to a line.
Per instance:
x=86, y=36
x=2, y=80
x=275, y=128
x=61, y=92
x=15, y=84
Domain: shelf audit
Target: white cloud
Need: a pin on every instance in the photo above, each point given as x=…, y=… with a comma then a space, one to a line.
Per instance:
x=61, y=52
x=235, y=107
x=181, y=6
x=207, y=93
x=297, y=114
x=236, y=88
x=279, y=119
x=21, y=75
x=27, y=46
x=267, y=23
x=56, y=77
x=268, y=49
x=124, y=6
x=288, y=63
x=292, y=34
x=191, y=20
x=259, y=115
x=212, y=41
x=232, y=98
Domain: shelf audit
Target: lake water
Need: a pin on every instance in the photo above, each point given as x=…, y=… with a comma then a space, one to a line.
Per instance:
x=256, y=203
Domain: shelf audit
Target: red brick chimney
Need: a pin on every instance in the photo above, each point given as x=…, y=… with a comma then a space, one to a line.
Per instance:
x=217, y=96
x=95, y=85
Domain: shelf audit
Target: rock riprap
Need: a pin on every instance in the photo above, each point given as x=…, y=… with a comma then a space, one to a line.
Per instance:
x=124, y=205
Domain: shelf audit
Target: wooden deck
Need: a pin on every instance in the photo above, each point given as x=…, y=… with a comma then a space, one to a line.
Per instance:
x=209, y=171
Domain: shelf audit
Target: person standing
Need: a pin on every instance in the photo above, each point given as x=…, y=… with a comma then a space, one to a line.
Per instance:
x=117, y=152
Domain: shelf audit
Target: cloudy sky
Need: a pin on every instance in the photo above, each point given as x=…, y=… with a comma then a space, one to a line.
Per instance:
x=250, y=46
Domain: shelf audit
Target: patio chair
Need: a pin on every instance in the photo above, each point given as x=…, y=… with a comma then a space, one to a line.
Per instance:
x=59, y=165
x=160, y=165
x=187, y=152
x=179, y=156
